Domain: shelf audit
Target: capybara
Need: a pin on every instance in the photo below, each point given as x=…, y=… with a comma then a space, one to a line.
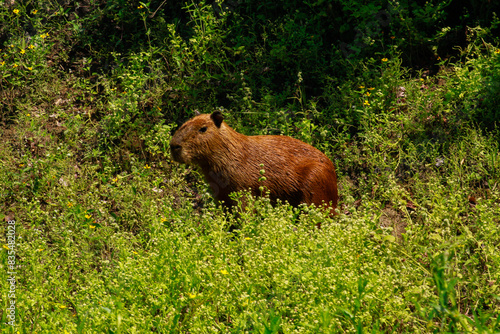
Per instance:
x=295, y=171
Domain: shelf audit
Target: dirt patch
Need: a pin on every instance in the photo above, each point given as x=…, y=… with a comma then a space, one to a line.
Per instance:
x=392, y=218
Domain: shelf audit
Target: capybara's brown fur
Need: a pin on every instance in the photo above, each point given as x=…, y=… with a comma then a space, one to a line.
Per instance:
x=230, y=161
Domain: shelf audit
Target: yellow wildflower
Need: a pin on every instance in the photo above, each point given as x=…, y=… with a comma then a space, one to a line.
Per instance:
x=16, y=11
x=88, y=216
x=497, y=51
x=30, y=68
x=91, y=226
x=147, y=167
x=6, y=247
x=2, y=63
x=140, y=7
x=34, y=11
x=224, y=272
x=371, y=88
x=368, y=94
x=384, y=60
x=70, y=204
x=15, y=65
x=361, y=87
x=191, y=295
x=22, y=51
x=31, y=46
x=366, y=103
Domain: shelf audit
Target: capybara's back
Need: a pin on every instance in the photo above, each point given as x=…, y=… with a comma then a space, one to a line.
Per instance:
x=294, y=171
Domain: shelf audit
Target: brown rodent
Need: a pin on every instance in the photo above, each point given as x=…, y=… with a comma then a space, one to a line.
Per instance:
x=230, y=161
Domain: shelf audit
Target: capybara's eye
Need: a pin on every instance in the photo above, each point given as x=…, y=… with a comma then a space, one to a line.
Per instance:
x=203, y=129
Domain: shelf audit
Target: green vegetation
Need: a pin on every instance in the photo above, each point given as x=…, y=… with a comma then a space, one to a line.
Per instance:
x=113, y=237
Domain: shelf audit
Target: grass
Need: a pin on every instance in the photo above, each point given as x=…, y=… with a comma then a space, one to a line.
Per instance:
x=113, y=237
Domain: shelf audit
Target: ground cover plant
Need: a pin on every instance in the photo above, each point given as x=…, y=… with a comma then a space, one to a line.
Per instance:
x=102, y=233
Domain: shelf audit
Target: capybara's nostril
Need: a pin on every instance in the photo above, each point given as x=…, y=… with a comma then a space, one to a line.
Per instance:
x=175, y=148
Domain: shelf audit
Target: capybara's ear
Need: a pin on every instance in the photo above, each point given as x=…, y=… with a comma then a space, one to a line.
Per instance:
x=217, y=118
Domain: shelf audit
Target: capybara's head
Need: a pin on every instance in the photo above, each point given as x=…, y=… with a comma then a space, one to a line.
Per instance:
x=197, y=139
